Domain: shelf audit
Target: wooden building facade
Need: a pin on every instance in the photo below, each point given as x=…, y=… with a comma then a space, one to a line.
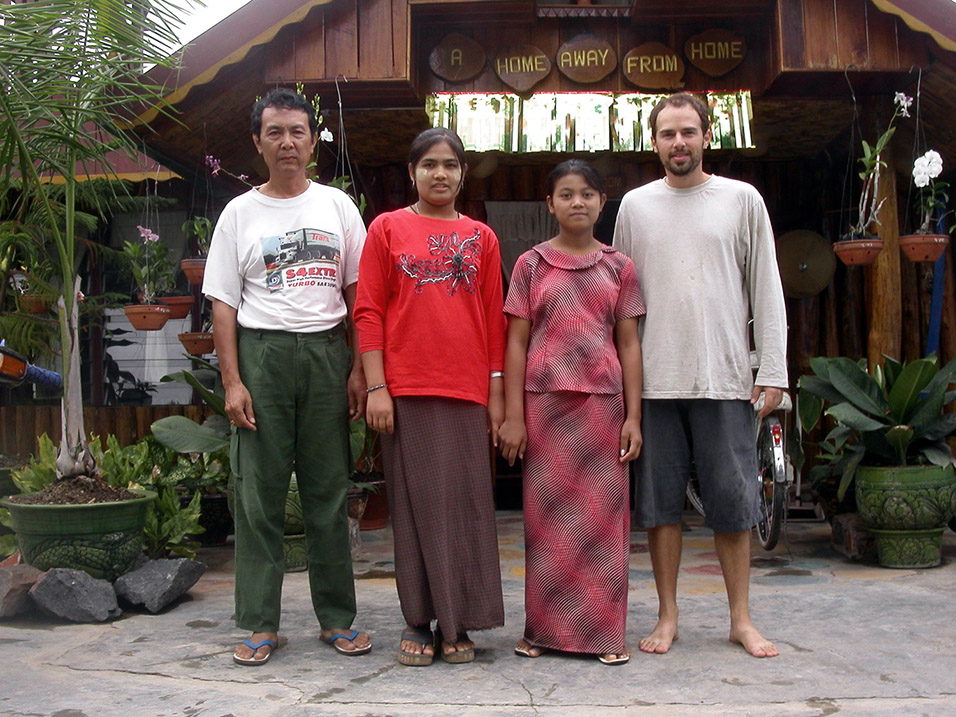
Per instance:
x=821, y=75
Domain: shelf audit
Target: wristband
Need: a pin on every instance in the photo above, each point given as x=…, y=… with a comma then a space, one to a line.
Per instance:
x=497, y=374
x=375, y=388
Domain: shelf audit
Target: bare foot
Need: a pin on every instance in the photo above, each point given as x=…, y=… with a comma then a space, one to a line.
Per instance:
x=416, y=648
x=526, y=649
x=360, y=642
x=615, y=658
x=462, y=644
x=659, y=641
x=244, y=652
x=752, y=641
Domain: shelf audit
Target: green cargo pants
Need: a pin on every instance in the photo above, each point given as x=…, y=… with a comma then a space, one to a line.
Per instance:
x=297, y=383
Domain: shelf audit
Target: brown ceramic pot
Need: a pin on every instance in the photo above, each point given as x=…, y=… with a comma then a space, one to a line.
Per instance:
x=193, y=269
x=147, y=317
x=197, y=343
x=858, y=251
x=179, y=306
x=923, y=247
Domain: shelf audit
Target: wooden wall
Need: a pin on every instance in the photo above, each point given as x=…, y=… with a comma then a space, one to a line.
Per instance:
x=361, y=39
x=20, y=426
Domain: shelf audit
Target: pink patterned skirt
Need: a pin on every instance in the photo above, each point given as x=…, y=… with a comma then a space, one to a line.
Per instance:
x=576, y=521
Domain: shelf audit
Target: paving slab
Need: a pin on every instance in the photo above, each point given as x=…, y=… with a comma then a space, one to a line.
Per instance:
x=854, y=638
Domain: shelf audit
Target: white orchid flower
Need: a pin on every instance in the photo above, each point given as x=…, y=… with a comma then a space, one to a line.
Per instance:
x=325, y=135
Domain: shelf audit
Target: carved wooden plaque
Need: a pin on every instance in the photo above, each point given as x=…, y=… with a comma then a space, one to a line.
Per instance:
x=585, y=59
x=457, y=58
x=521, y=67
x=715, y=52
x=653, y=66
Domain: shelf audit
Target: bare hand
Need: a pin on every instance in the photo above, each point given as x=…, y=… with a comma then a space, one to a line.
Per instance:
x=771, y=399
x=380, y=411
x=513, y=439
x=239, y=407
x=355, y=386
x=496, y=416
x=631, y=440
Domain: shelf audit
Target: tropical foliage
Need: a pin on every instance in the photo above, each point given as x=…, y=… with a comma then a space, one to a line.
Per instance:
x=892, y=416
x=70, y=82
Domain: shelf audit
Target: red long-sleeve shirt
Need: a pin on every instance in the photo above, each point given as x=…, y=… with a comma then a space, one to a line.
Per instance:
x=430, y=298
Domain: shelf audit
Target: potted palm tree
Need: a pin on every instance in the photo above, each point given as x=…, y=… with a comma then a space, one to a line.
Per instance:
x=889, y=442
x=65, y=79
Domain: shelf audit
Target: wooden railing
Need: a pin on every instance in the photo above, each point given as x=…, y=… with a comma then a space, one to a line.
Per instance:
x=21, y=425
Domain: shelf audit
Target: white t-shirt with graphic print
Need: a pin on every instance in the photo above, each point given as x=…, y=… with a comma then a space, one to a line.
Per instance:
x=284, y=263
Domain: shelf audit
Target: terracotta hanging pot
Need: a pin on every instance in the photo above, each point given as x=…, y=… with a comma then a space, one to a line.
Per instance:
x=193, y=269
x=147, y=317
x=34, y=303
x=924, y=247
x=197, y=343
x=858, y=251
x=179, y=306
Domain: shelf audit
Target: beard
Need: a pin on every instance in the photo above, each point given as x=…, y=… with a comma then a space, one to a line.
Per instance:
x=681, y=170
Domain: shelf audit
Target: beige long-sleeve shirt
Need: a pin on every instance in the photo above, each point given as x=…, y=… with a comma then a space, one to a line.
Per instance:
x=706, y=263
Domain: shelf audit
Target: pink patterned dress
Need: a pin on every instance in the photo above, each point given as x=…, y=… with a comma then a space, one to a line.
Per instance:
x=575, y=489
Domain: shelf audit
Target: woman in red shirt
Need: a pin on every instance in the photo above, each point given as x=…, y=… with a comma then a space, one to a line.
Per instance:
x=432, y=334
x=573, y=414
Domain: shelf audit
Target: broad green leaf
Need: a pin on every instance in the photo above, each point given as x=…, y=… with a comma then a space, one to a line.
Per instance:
x=820, y=387
x=938, y=454
x=892, y=369
x=186, y=436
x=852, y=418
x=809, y=409
x=849, y=472
x=900, y=437
x=215, y=402
x=928, y=408
x=941, y=427
x=906, y=390
x=858, y=387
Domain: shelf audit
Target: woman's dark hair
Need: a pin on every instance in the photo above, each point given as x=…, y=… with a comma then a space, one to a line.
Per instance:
x=588, y=173
x=282, y=98
x=429, y=138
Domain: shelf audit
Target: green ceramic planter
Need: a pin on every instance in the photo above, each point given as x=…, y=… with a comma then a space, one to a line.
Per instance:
x=909, y=548
x=294, y=525
x=102, y=539
x=916, y=500
x=294, y=553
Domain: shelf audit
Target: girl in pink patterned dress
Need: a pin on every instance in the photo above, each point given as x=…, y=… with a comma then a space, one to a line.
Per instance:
x=573, y=415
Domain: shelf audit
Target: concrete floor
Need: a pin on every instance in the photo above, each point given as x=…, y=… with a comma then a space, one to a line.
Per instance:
x=854, y=639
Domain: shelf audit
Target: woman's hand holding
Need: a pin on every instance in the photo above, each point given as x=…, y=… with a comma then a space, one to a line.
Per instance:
x=380, y=411
x=513, y=439
x=631, y=440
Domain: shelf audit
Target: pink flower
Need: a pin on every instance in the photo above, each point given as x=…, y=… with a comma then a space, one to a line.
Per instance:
x=213, y=164
x=147, y=234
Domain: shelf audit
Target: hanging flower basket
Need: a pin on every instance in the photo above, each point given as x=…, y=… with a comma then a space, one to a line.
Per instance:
x=197, y=343
x=194, y=269
x=179, y=306
x=923, y=247
x=147, y=317
x=858, y=251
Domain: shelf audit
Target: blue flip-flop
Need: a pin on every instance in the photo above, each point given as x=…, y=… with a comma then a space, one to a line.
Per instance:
x=250, y=661
x=350, y=637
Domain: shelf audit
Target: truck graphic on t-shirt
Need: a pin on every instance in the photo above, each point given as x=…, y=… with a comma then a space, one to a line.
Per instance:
x=304, y=257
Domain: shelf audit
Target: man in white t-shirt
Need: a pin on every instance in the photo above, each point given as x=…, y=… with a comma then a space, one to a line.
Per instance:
x=281, y=274
x=704, y=253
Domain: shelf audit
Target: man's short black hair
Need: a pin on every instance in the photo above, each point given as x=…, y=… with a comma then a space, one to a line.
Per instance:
x=284, y=99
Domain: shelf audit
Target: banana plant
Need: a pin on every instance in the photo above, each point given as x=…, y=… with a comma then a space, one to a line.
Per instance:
x=890, y=416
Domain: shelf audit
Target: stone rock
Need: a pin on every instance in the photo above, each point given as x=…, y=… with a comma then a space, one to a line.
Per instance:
x=159, y=582
x=15, y=584
x=76, y=596
x=851, y=538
